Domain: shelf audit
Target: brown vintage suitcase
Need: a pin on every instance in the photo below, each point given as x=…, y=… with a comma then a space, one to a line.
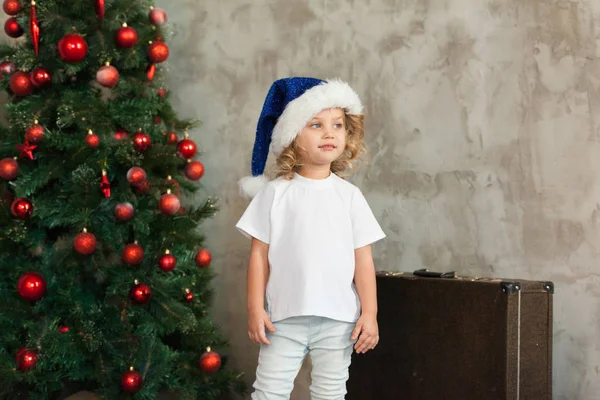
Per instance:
x=444, y=337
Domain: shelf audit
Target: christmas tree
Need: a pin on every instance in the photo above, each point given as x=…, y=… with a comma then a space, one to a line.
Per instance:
x=104, y=281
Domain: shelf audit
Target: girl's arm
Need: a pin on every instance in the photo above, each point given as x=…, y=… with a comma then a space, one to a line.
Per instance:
x=258, y=274
x=364, y=279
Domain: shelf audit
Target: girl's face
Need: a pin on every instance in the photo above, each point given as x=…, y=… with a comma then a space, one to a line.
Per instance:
x=323, y=138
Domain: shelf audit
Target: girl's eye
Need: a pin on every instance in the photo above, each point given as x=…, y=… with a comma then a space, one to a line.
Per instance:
x=338, y=126
x=315, y=126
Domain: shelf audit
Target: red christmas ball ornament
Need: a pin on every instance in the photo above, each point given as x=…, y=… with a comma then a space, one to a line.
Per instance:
x=84, y=243
x=143, y=188
x=171, y=137
x=8, y=68
x=194, y=170
x=64, y=329
x=131, y=381
x=133, y=254
x=186, y=148
x=11, y=7
x=124, y=211
x=26, y=359
x=203, y=258
x=35, y=133
x=136, y=176
x=21, y=208
x=172, y=184
x=162, y=93
x=126, y=37
x=141, y=142
x=210, y=361
x=189, y=296
x=140, y=293
x=157, y=16
x=9, y=168
x=31, y=286
x=39, y=77
x=107, y=76
x=72, y=48
x=12, y=28
x=91, y=139
x=167, y=262
x=158, y=52
x=169, y=203
x=120, y=134
x=20, y=84
x=157, y=120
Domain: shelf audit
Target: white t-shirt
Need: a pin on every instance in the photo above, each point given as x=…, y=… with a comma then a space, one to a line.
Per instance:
x=312, y=228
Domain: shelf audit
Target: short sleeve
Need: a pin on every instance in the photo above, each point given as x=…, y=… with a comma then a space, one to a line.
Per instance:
x=366, y=229
x=256, y=220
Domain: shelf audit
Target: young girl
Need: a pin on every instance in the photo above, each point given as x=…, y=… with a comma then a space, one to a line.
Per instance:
x=311, y=233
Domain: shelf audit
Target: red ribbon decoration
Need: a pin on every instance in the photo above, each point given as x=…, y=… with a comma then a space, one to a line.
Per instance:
x=34, y=28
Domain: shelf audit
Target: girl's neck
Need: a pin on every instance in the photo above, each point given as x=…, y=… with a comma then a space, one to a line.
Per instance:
x=315, y=171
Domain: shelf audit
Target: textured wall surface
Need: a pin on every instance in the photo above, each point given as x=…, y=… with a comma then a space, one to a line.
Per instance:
x=482, y=124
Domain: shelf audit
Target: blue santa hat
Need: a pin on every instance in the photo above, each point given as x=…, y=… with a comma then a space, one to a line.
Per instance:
x=290, y=104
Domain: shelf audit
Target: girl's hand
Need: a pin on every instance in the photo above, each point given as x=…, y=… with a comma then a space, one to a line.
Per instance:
x=257, y=321
x=367, y=328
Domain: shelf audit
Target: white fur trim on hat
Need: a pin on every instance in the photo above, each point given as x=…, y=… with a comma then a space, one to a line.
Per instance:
x=250, y=186
x=330, y=94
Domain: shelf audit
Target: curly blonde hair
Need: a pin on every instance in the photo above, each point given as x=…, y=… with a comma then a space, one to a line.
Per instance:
x=289, y=161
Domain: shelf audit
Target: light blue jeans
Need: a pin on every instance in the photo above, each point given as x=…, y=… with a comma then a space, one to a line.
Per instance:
x=330, y=346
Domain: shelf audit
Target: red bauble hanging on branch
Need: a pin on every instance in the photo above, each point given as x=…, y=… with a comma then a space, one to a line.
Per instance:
x=107, y=75
x=186, y=148
x=35, y=133
x=8, y=68
x=141, y=142
x=203, y=258
x=34, y=28
x=120, y=134
x=92, y=140
x=140, y=293
x=105, y=185
x=158, y=52
x=85, y=243
x=124, y=211
x=167, y=262
x=169, y=203
x=210, y=361
x=25, y=359
x=136, y=176
x=194, y=170
x=21, y=208
x=189, y=296
x=39, y=77
x=126, y=37
x=171, y=137
x=133, y=254
x=12, y=28
x=11, y=7
x=9, y=168
x=99, y=6
x=20, y=84
x=157, y=16
x=31, y=286
x=131, y=381
x=72, y=48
